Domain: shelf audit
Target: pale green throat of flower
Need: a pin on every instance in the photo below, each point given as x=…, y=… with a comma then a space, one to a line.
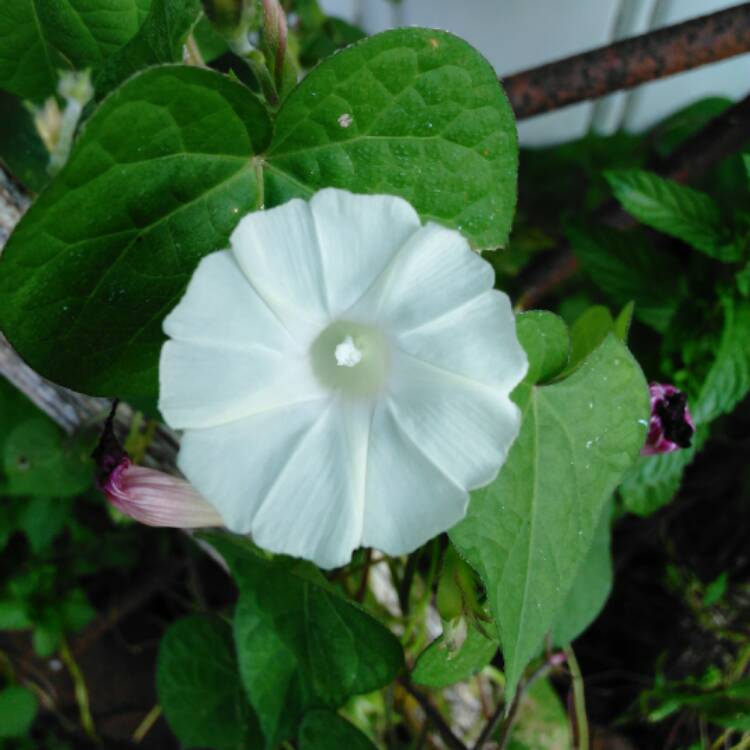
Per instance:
x=351, y=358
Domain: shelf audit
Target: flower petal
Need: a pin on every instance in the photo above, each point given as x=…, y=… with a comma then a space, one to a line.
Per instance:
x=408, y=498
x=477, y=339
x=202, y=386
x=221, y=309
x=463, y=426
x=278, y=252
x=434, y=272
x=287, y=476
x=316, y=504
x=358, y=235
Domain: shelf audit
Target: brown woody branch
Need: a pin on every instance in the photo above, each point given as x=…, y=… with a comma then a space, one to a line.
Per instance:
x=630, y=62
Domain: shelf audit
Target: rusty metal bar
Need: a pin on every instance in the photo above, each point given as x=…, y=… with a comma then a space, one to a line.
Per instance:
x=630, y=62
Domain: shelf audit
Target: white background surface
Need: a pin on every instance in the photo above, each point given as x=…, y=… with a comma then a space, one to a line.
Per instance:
x=519, y=34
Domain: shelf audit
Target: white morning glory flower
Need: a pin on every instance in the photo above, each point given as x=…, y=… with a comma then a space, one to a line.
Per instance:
x=342, y=377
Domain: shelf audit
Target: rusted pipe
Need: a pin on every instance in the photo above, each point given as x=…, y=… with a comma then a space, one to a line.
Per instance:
x=630, y=62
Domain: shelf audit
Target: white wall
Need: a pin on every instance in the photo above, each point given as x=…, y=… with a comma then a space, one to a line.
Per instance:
x=518, y=34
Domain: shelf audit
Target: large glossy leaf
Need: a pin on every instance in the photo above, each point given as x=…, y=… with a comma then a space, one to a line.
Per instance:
x=528, y=532
x=300, y=644
x=40, y=37
x=159, y=40
x=412, y=112
x=171, y=161
x=591, y=587
x=199, y=687
x=158, y=179
x=326, y=730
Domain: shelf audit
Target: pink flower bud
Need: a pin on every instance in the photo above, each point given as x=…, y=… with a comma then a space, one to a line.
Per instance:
x=671, y=426
x=157, y=499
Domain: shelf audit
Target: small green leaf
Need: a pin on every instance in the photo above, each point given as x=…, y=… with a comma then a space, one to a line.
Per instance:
x=200, y=689
x=591, y=587
x=18, y=707
x=625, y=266
x=676, y=210
x=172, y=151
x=412, y=112
x=715, y=590
x=654, y=481
x=746, y=160
x=13, y=616
x=546, y=340
x=40, y=37
x=300, y=644
x=159, y=40
x=47, y=638
x=528, y=533
x=439, y=667
x=326, y=730
x=42, y=519
x=37, y=458
x=588, y=332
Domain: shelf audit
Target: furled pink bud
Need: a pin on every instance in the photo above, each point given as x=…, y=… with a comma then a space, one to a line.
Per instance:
x=671, y=426
x=147, y=495
x=158, y=499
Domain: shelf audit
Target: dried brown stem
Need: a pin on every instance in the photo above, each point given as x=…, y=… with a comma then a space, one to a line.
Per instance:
x=630, y=62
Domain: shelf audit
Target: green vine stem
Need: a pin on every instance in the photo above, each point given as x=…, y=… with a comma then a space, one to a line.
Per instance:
x=579, y=701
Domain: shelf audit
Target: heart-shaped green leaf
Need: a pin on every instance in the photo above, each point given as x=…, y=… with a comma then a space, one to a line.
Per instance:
x=172, y=159
x=529, y=531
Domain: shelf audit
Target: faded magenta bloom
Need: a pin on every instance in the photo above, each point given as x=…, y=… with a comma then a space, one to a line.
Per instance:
x=157, y=499
x=671, y=426
x=342, y=377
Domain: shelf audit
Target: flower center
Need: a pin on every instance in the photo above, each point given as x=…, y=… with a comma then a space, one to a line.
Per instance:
x=351, y=358
x=347, y=354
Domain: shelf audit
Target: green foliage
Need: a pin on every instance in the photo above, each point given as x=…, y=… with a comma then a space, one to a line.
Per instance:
x=200, y=689
x=173, y=149
x=300, y=644
x=591, y=328
x=728, y=380
x=21, y=148
x=18, y=707
x=159, y=40
x=677, y=210
x=591, y=587
x=325, y=730
x=529, y=532
x=441, y=665
x=429, y=122
x=542, y=722
x=37, y=457
x=626, y=266
x=545, y=338
x=39, y=38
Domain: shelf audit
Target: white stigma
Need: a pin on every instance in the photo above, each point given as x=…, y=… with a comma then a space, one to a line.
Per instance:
x=347, y=354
